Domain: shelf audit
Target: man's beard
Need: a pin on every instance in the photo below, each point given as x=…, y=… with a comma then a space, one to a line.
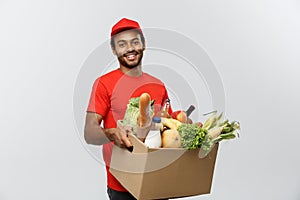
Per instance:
x=122, y=59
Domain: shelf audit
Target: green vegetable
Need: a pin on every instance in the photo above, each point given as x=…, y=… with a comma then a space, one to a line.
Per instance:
x=191, y=135
x=134, y=102
x=210, y=122
x=229, y=131
x=224, y=136
x=132, y=112
x=207, y=144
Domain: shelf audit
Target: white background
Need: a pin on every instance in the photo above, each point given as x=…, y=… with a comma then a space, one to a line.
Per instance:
x=254, y=45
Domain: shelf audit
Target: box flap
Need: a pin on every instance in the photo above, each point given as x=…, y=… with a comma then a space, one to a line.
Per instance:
x=138, y=145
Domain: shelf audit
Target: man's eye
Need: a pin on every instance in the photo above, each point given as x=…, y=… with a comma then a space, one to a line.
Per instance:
x=121, y=45
x=136, y=42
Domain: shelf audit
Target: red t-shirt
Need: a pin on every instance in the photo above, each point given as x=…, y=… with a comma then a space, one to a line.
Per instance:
x=109, y=98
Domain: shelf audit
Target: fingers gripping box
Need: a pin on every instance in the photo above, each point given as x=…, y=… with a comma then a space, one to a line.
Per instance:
x=155, y=173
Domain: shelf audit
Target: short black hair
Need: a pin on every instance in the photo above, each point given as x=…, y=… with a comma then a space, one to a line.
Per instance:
x=112, y=39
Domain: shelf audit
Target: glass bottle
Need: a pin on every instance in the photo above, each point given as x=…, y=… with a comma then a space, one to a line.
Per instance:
x=164, y=112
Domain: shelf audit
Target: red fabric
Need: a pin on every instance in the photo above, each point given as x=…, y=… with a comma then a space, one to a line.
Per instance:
x=109, y=98
x=124, y=24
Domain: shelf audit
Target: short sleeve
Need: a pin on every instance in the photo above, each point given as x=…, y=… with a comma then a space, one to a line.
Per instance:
x=99, y=99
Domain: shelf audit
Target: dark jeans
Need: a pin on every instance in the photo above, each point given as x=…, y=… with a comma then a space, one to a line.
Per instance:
x=116, y=195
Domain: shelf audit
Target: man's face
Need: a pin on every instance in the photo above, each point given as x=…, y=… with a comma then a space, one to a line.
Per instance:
x=129, y=48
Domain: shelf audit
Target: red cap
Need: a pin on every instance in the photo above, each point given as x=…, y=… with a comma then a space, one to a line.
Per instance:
x=125, y=24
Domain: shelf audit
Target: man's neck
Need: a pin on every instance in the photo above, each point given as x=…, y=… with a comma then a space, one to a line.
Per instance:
x=136, y=71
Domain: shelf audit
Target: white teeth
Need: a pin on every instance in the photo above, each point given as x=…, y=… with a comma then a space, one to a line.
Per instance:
x=131, y=57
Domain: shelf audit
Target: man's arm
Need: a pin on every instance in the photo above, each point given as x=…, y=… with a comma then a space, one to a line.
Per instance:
x=95, y=134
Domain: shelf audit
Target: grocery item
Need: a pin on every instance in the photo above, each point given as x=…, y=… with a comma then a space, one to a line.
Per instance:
x=191, y=135
x=190, y=110
x=218, y=130
x=199, y=124
x=196, y=135
x=183, y=116
x=174, y=131
x=164, y=112
x=133, y=113
x=170, y=123
x=171, y=139
x=180, y=115
x=156, y=124
x=144, y=107
x=153, y=138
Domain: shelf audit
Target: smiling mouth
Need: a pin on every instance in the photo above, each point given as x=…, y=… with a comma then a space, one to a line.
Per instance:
x=131, y=56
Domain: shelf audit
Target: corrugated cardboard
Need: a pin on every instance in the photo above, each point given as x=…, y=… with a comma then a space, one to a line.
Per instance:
x=164, y=172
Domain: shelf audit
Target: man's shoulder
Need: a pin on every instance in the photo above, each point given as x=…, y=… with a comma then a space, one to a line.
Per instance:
x=115, y=72
x=109, y=76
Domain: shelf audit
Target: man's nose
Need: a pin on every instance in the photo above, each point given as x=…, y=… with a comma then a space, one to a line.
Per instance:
x=130, y=47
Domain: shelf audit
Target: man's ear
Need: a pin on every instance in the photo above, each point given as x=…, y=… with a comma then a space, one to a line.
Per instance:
x=113, y=50
x=144, y=47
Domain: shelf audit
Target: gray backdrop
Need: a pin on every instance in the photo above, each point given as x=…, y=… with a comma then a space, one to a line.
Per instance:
x=254, y=46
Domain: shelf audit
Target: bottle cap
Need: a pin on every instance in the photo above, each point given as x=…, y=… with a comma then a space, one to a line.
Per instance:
x=156, y=119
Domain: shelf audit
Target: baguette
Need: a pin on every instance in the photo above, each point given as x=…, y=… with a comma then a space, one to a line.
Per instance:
x=144, y=107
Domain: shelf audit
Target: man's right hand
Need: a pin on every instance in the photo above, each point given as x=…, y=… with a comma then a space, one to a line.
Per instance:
x=118, y=136
x=95, y=134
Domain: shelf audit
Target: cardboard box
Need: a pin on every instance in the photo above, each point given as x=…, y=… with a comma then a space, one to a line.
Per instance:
x=149, y=173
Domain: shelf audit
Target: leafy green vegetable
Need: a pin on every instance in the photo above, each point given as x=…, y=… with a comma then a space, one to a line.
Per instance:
x=207, y=144
x=132, y=112
x=135, y=102
x=191, y=135
x=229, y=131
x=131, y=115
x=211, y=121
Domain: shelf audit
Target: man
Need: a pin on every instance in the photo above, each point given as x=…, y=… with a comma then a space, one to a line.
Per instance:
x=111, y=93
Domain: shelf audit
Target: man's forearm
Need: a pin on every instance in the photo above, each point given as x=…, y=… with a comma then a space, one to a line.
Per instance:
x=94, y=134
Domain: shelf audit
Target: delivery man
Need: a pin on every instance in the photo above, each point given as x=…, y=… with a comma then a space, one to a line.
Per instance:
x=111, y=93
